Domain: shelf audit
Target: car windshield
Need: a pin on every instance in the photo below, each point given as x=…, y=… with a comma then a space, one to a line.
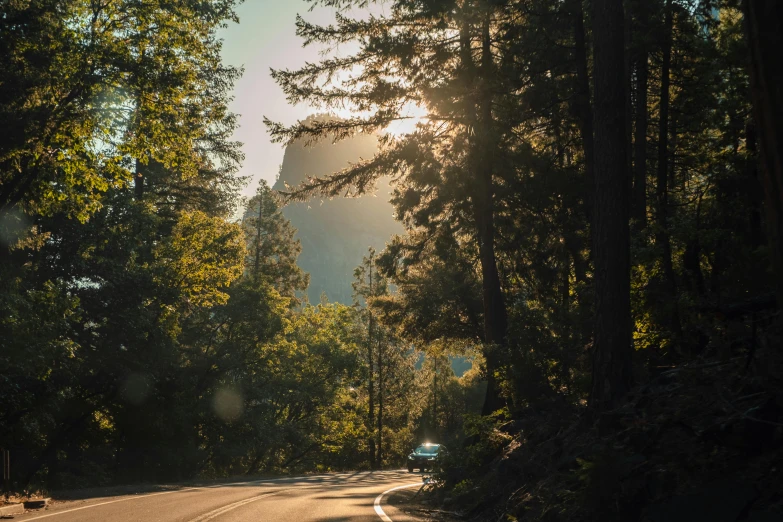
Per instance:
x=428, y=448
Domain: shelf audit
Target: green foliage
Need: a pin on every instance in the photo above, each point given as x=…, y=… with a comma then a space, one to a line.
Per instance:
x=202, y=255
x=272, y=250
x=146, y=336
x=96, y=87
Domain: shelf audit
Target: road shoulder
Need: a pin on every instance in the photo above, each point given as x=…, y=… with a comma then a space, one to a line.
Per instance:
x=412, y=504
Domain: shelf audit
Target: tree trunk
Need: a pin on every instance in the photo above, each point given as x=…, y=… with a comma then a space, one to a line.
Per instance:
x=380, y=404
x=495, y=319
x=764, y=28
x=612, y=351
x=755, y=190
x=435, y=397
x=574, y=244
x=370, y=384
x=138, y=176
x=691, y=260
x=584, y=114
x=481, y=166
x=583, y=110
x=662, y=238
x=640, y=142
x=565, y=284
x=628, y=70
x=138, y=182
x=257, y=260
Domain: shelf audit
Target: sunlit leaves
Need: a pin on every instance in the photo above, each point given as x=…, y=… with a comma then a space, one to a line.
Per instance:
x=99, y=86
x=203, y=255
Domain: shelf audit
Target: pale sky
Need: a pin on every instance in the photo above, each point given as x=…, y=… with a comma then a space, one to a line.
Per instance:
x=264, y=38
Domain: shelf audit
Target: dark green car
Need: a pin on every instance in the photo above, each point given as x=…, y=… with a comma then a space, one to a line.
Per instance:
x=425, y=456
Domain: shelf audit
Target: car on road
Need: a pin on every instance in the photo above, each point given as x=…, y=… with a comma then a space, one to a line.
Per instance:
x=426, y=456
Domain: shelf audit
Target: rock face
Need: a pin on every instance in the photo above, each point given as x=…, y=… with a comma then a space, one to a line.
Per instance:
x=335, y=233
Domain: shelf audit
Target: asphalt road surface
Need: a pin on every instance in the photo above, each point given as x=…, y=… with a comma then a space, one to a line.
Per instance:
x=346, y=497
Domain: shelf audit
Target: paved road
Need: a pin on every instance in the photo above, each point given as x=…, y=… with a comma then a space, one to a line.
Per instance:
x=347, y=497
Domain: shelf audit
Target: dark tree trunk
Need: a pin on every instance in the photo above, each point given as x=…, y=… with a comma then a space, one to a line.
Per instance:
x=612, y=356
x=565, y=284
x=138, y=185
x=138, y=176
x=662, y=180
x=584, y=114
x=379, y=449
x=755, y=191
x=574, y=244
x=371, y=385
x=435, y=425
x=628, y=69
x=495, y=319
x=138, y=182
x=716, y=272
x=691, y=260
x=640, y=142
x=482, y=166
x=764, y=28
x=583, y=109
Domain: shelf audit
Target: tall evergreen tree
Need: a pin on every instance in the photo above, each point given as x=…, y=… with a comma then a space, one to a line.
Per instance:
x=272, y=248
x=369, y=284
x=611, y=250
x=764, y=27
x=452, y=164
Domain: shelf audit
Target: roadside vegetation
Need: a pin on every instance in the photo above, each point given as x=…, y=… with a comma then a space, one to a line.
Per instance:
x=147, y=334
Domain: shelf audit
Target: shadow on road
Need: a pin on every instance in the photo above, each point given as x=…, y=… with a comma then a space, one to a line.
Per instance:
x=366, y=477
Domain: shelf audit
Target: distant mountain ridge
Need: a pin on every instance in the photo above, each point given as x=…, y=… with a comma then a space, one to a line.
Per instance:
x=335, y=233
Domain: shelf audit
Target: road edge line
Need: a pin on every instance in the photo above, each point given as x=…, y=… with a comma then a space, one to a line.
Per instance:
x=146, y=495
x=377, y=504
x=124, y=499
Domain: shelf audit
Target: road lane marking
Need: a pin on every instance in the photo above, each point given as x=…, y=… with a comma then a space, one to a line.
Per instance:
x=137, y=497
x=225, y=509
x=379, y=509
x=111, y=502
x=196, y=488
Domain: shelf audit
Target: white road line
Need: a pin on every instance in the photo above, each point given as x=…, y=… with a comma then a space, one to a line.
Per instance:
x=225, y=509
x=111, y=502
x=137, y=497
x=378, y=499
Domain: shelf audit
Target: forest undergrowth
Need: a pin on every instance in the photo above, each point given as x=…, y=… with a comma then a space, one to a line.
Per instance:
x=700, y=440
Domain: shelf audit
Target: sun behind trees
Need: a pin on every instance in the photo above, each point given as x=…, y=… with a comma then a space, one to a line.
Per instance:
x=582, y=199
x=145, y=335
x=591, y=208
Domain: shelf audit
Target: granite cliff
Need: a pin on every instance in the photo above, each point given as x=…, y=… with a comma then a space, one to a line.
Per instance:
x=335, y=233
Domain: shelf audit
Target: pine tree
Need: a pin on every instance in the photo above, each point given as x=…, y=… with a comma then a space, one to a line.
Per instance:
x=369, y=284
x=764, y=26
x=272, y=248
x=611, y=251
x=452, y=163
